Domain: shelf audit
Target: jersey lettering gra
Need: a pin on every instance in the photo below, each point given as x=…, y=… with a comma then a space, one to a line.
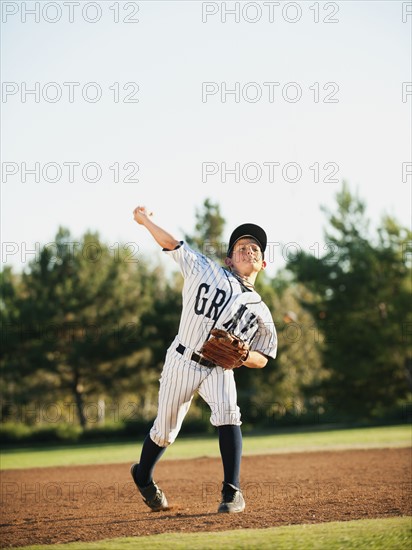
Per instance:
x=202, y=300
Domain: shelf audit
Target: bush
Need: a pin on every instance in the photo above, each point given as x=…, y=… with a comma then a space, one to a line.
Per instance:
x=16, y=434
x=13, y=433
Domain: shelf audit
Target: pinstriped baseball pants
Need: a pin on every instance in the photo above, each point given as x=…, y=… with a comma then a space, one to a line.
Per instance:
x=181, y=378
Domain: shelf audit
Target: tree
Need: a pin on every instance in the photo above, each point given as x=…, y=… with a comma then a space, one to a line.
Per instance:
x=207, y=235
x=78, y=328
x=10, y=318
x=282, y=391
x=360, y=297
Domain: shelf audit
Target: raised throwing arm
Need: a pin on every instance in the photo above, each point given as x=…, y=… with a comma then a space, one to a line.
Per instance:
x=162, y=237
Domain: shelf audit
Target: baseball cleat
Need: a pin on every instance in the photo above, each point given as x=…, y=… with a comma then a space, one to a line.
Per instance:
x=232, y=499
x=153, y=497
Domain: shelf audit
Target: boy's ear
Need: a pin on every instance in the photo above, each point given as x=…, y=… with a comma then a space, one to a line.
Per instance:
x=228, y=261
x=264, y=264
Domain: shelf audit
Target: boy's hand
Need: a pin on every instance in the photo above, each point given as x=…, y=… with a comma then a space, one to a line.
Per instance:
x=141, y=214
x=164, y=239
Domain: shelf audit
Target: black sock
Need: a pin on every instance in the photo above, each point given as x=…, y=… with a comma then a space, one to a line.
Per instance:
x=151, y=453
x=230, y=443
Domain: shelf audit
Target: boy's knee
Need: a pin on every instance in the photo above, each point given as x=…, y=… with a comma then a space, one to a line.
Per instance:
x=162, y=440
x=226, y=416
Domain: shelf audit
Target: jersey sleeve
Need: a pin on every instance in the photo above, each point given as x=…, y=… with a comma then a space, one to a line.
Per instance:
x=266, y=340
x=189, y=261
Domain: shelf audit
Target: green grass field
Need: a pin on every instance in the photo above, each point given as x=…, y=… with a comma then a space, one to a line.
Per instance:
x=184, y=448
x=372, y=534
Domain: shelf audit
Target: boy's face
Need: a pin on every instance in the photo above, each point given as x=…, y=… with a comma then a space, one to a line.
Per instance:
x=246, y=257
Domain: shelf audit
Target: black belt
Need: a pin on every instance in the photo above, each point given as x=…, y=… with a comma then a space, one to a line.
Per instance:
x=196, y=357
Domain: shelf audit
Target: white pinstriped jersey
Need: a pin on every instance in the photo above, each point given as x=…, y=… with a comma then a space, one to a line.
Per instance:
x=214, y=298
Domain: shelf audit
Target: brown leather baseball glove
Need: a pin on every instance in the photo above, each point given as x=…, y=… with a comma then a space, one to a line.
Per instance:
x=225, y=349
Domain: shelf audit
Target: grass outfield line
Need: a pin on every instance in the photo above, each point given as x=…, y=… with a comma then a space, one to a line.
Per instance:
x=369, y=534
x=184, y=448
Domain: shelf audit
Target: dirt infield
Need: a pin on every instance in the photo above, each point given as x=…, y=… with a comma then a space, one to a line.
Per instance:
x=51, y=505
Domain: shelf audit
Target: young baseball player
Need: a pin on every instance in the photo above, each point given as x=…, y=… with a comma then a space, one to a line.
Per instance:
x=214, y=297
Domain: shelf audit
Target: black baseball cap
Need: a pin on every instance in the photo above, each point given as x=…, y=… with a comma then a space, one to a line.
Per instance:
x=248, y=230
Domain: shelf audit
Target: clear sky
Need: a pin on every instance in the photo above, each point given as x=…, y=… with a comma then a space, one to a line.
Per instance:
x=265, y=107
